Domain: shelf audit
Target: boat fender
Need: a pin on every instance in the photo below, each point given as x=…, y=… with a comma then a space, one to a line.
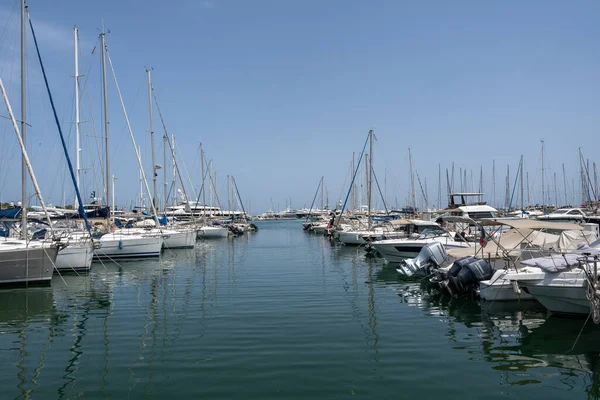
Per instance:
x=120, y=244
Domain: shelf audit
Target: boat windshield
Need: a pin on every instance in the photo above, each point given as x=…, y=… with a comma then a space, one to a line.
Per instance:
x=432, y=232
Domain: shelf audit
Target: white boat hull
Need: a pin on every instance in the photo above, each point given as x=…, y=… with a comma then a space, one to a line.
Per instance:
x=398, y=250
x=77, y=256
x=116, y=246
x=209, y=232
x=561, y=299
x=26, y=266
x=179, y=239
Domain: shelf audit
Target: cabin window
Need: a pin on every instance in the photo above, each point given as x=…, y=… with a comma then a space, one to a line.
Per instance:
x=480, y=214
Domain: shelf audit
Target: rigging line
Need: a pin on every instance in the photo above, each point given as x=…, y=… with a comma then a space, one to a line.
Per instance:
x=239, y=197
x=137, y=153
x=10, y=18
x=587, y=174
x=314, y=199
x=515, y=184
x=162, y=121
x=344, y=185
x=354, y=177
x=185, y=168
x=85, y=88
x=381, y=194
x=11, y=151
x=62, y=139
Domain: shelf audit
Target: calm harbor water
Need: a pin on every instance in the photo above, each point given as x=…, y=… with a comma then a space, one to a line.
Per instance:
x=280, y=314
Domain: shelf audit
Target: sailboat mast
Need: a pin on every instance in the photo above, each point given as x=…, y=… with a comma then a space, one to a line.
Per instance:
x=353, y=189
x=370, y=179
x=555, y=192
x=23, y=127
x=165, y=184
x=494, y=202
x=412, y=180
x=77, y=144
x=543, y=186
x=203, y=186
x=154, y=195
x=322, y=204
x=106, y=145
x=522, y=187
x=174, y=171
x=565, y=184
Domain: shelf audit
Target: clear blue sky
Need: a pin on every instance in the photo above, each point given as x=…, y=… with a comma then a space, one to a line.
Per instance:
x=282, y=92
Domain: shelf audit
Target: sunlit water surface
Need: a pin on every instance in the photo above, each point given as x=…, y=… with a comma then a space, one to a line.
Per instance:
x=280, y=314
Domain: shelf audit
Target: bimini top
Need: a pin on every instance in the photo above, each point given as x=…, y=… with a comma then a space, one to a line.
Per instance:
x=523, y=223
x=418, y=222
x=519, y=223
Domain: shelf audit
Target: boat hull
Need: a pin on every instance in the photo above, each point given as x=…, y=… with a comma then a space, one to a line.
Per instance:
x=210, y=232
x=560, y=299
x=76, y=256
x=27, y=266
x=119, y=246
x=179, y=239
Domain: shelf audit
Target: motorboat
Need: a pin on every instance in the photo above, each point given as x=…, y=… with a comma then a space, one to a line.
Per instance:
x=563, y=283
x=397, y=250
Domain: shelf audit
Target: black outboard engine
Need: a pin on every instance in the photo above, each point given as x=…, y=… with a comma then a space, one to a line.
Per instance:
x=234, y=230
x=465, y=274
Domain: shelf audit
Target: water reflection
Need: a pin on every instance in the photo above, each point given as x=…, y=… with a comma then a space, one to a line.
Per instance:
x=519, y=340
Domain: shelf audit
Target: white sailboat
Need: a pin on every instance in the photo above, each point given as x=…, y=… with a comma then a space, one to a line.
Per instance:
x=78, y=252
x=22, y=261
x=121, y=244
x=173, y=237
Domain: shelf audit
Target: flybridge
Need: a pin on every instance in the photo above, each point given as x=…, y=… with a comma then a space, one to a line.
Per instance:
x=452, y=203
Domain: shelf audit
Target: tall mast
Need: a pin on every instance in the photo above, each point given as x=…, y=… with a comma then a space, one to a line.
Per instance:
x=353, y=189
x=595, y=182
x=165, y=184
x=507, y=195
x=565, y=184
x=495, y=202
x=528, y=189
x=522, y=188
x=23, y=127
x=370, y=179
x=139, y=149
x=174, y=170
x=203, y=186
x=154, y=195
x=439, y=197
x=480, y=182
x=77, y=145
x=555, y=192
x=322, y=198
x=106, y=145
x=412, y=180
x=543, y=186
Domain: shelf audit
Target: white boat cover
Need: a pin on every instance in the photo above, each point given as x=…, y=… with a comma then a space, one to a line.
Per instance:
x=511, y=243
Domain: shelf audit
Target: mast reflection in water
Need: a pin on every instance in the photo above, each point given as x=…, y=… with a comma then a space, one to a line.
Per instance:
x=280, y=314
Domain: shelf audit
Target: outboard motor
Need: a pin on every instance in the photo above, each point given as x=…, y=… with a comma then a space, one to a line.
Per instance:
x=234, y=230
x=430, y=257
x=465, y=275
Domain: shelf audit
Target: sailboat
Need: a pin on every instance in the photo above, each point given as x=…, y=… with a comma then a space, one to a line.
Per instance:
x=174, y=237
x=207, y=231
x=356, y=234
x=121, y=243
x=23, y=261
